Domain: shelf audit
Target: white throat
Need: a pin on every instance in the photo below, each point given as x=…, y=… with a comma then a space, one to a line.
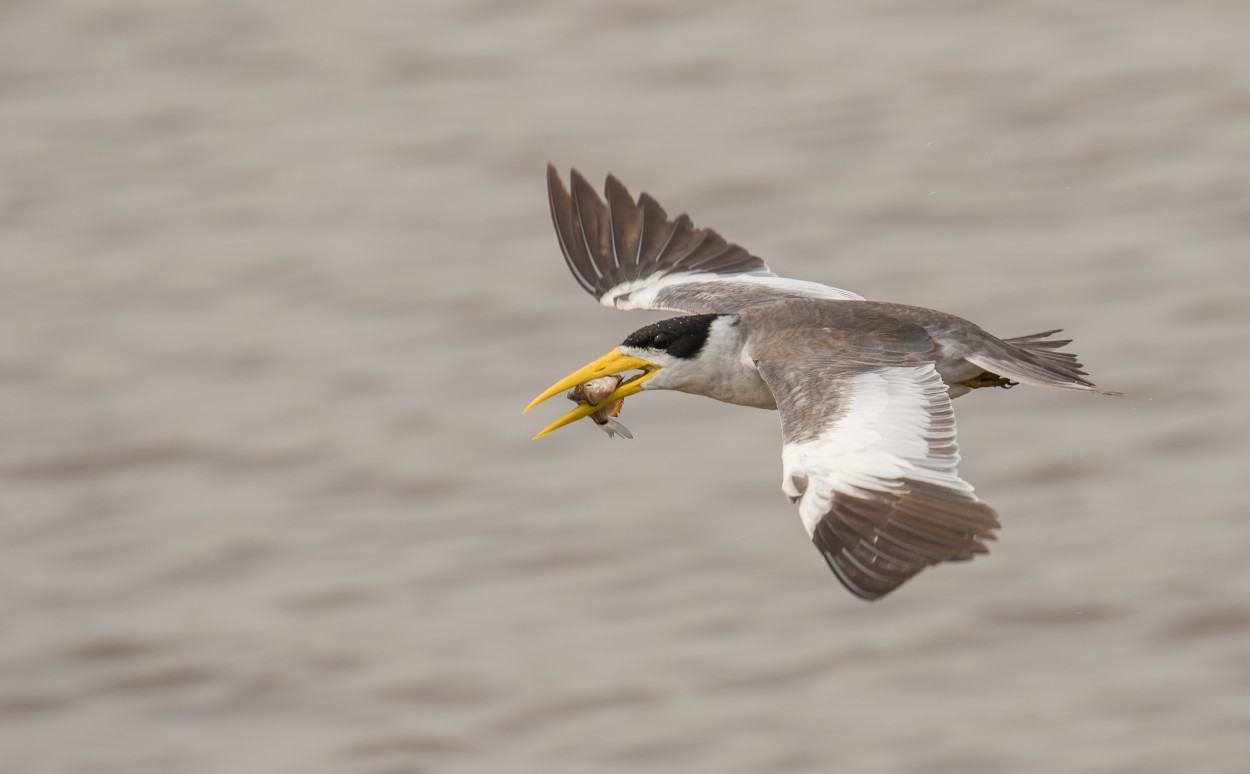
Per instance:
x=722, y=370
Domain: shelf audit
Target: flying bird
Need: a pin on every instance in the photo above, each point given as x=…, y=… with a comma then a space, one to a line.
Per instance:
x=863, y=388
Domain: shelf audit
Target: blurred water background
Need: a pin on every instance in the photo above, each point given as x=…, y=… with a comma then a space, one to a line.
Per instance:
x=276, y=279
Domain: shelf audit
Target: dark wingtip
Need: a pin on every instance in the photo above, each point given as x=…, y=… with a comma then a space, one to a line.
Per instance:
x=554, y=181
x=612, y=181
x=578, y=181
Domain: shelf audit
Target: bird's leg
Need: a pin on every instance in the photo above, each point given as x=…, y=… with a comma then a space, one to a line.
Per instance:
x=987, y=379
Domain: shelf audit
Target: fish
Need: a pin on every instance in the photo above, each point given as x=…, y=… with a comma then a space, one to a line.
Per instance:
x=591, y=392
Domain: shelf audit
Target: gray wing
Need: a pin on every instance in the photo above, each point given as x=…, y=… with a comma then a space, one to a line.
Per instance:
x=631, y=255
x=869, y=453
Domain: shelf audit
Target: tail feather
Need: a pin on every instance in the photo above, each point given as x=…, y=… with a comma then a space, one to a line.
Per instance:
x=1038, y=341
x=1033, y=359
x=1038, y=345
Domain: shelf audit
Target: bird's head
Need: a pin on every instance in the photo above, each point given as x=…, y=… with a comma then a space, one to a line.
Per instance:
x=664, y=356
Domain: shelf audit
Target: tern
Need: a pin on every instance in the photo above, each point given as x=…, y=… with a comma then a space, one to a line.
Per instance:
x=863, y=388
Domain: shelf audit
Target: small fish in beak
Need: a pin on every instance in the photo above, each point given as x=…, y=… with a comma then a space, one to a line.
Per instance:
x=591, y=392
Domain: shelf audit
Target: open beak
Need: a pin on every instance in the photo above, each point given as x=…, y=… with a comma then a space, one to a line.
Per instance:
x=614, y=362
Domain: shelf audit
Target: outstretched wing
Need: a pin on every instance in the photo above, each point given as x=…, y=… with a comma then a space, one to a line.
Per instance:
x=870, y=457
x=630, y=255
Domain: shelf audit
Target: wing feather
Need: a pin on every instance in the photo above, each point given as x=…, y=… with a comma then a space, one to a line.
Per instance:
x=657, y=231
x=629, y=254
x=870, y=457
x=568, y=232
x=593, y=217
x=627, y=223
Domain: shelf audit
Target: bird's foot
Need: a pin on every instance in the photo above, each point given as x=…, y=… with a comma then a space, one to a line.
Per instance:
x=987, y=379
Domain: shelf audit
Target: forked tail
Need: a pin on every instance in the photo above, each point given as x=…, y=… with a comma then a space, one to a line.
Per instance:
x=1035, y=360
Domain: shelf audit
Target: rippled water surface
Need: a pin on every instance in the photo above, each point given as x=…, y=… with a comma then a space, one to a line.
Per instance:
x=277, y=278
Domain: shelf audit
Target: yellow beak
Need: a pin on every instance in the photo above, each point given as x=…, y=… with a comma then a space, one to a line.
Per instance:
x=614, y=362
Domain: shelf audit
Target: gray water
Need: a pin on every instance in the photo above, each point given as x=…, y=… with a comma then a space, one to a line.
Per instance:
x=276, y=281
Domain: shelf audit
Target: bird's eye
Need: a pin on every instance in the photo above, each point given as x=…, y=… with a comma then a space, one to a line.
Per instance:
x=661, y=340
